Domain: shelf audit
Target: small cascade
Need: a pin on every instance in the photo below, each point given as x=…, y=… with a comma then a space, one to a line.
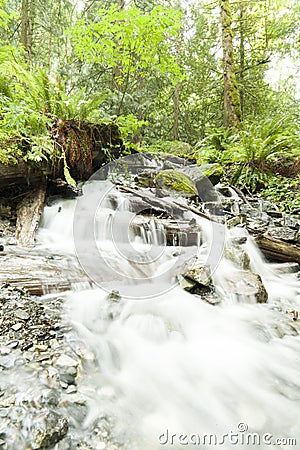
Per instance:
x=164, y=362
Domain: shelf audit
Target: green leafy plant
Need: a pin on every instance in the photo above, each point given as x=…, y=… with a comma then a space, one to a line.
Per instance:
x=283, y=191
x=253, y=154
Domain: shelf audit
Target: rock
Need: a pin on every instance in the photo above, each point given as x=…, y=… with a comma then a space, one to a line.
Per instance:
x=48, y=429
x=146, y=179
x=67, y=375
x=176, y=182
x=288, y=267
x=245, y=285
x=213, y=172
x=185, y=283
x=17, y=326
x=71, y=389
x=66, y=361
x=236, y=221
x=293, y=313
x=114, y=296
x=239, y=240
x=287, y=234
x=238, y=255
x=275, y=214
x=21, y=314
x=7, y=401
x=198, y=273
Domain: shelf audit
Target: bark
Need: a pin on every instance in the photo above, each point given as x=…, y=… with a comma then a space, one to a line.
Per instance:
x=278, y=250
x=39, y=274
x=242, y=55
x=28, y=216
x=19, y=174
x=232, y=107
x=27, y=23
x=176, y=98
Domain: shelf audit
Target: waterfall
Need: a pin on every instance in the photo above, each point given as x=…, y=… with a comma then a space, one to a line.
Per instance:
x=166, y=365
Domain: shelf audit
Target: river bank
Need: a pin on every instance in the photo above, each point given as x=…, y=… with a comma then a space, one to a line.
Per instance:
x=88, y=368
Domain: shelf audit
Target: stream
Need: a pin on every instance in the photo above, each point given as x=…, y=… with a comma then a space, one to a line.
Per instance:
x=171, y=370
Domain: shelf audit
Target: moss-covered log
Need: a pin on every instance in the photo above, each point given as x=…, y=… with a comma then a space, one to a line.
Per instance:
x=277, y=249
x=86, y=146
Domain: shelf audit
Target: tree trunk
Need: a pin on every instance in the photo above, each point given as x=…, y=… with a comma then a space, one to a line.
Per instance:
x=232, y=107
x=28, y=216
x=27, y=23
x=242, y=56
x=176, y=98
x=278, y=250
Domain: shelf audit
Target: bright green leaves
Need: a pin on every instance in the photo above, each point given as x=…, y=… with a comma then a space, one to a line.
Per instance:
x=135, y=43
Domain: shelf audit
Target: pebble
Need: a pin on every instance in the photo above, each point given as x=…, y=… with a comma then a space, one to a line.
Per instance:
x=17, y=326
x=40, y=348
x=71, y=389
x=65, y=361
x=21, y=314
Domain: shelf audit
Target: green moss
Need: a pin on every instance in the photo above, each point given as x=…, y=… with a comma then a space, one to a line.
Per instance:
x=213, y=172
x=176, y=181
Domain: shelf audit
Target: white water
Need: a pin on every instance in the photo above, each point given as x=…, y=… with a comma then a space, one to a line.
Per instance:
x=167, y=363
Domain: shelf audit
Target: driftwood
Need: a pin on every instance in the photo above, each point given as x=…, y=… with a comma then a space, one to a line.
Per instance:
x=278, y=250
x=19, y=174
x=28, y=216
x=40, y=274
x=169, y=207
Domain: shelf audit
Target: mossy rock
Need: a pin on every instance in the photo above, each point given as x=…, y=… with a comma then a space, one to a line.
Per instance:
x=213, y=172
x=176, y=181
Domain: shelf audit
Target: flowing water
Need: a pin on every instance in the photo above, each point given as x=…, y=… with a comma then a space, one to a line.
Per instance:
x=174, y=371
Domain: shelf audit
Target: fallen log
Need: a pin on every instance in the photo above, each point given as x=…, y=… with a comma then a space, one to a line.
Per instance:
x=29, y=212
x=171, y=208
x=40, y=274
x=278, y=250
x=19, y=174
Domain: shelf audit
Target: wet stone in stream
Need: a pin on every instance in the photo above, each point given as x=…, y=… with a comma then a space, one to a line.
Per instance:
x=40, y=365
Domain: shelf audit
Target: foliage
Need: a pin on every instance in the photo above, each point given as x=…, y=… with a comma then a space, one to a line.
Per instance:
x=252, y=154
x=283, y=191
x=178, y=148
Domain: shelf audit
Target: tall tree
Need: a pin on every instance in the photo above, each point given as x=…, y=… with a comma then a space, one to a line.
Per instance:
x=27, y=23
x=232, y=106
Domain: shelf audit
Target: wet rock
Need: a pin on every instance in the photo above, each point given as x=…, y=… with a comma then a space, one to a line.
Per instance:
x=114, y=296
x=246, y=286
x=275, y=214
x=146, y=179
x=293, y=313
x=200, y=274
x=176, y=183
x=68, y=375
x=238, y=255
x=236, y=221
x=239, y=240
x=186, y=284
x=66, y=361
x=288, y=267
x=21, y=314
x=48, y=429
x=283, y=233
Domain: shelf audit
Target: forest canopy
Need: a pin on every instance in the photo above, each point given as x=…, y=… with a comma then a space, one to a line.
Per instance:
x=222, y=76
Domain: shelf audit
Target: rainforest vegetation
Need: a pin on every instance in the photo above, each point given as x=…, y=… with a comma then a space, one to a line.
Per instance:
x=215, y=81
